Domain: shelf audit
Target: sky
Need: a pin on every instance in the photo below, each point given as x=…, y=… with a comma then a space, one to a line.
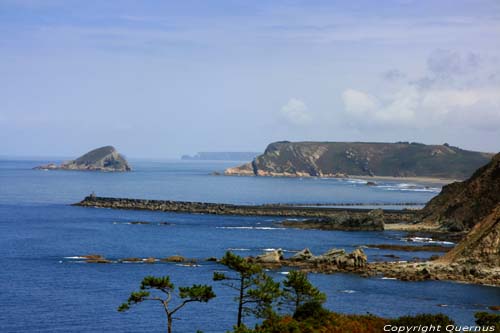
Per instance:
x=160, y=79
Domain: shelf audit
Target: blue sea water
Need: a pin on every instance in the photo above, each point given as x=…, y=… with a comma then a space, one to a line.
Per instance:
x=44, y=288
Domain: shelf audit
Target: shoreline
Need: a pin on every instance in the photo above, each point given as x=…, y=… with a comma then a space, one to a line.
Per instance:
x=430, y=180
x=416, y=179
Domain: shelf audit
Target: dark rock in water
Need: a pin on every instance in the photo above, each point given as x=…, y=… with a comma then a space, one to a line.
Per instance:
x=175, y=258
x=100, y=159
x=461, y=205
x=339, y=159
x=133, y=259
x=371, y=184
x=371, y=221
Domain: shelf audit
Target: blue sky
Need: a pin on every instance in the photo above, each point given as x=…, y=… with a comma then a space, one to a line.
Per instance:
x=164, y=78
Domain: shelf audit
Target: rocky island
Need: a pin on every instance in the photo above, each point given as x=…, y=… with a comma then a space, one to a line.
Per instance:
x=342, y=159
x=101, y=159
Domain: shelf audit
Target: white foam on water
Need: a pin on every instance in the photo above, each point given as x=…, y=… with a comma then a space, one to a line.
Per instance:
x=348, y=291
x=251, y=228
x=426, y=240
x=285, y=273
x=388, y=278
x=75, y=258
x=237, y=249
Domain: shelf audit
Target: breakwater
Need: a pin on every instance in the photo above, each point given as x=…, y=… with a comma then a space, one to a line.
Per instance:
x=370, y=219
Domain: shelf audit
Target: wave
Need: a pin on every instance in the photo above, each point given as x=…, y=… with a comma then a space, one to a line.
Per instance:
x=75, y=258
x=348, y=291
x=252, y=228
x=427, y=240
x=409, y=187
x=356, y=181
x=237, y=249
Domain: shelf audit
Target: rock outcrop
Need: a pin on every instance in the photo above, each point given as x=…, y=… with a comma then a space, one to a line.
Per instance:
x=481, y=246
x=364, y=221
x=461, y=205
x=272, y=257
x=339, y=159
x=100, y=159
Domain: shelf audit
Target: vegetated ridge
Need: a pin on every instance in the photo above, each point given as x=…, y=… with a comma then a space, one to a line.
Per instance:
x=461, y=205
x=341, y=159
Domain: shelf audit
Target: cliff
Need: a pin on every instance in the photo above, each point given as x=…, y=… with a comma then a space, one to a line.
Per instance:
x=481, y=245
x=339, y=159
x=100, y=159
x=461, y=205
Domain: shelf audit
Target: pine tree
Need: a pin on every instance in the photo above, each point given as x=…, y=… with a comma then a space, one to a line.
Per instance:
x=256, y=291
x=195, y=293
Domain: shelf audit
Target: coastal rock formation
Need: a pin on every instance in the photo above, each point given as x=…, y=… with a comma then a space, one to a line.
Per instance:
x=302, y=255
x=272, y=257
x=346, y=221
x=341, y=259
x=318, y=217
x=333, y=259
x=339, y=159
x=481, y=246
x=100, y=159
x=460, y=205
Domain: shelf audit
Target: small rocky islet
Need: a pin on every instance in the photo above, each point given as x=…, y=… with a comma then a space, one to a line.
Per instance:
x=106, y=159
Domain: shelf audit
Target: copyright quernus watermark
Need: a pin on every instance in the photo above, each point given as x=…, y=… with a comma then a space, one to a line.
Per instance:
x=437, y=328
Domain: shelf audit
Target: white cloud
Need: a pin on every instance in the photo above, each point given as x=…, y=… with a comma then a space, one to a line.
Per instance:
x=455, y=93
x=358, y=102
x=296, y=112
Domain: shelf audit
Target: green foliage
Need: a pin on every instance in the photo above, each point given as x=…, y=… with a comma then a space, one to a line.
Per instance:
x=423, y=319
x=194, y=293
x=256, y=291
x=313, y=310
x=488, y=319
x=151, y=282
x=197, y=293
x=137, y=297
x=330, y=322
x=298, y=290
x=241, y=265
x=264, y=294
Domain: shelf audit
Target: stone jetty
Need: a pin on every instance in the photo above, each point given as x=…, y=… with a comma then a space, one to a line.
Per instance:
x=328, y=218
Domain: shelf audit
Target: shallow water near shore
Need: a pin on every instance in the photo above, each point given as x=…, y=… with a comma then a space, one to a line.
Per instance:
x=46, y=289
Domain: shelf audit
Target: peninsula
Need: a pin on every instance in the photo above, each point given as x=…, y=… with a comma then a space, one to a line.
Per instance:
x=101, y=159
x=342, y=159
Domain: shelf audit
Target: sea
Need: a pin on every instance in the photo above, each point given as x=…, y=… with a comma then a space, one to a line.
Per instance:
x=46, y=286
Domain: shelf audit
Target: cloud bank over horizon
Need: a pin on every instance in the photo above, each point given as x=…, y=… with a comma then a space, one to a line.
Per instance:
x=161, y=79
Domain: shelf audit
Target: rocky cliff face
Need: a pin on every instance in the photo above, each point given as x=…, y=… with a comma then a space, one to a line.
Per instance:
x=338, y=159
x=481, y=245
x=461, y=205
x=100, y=159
